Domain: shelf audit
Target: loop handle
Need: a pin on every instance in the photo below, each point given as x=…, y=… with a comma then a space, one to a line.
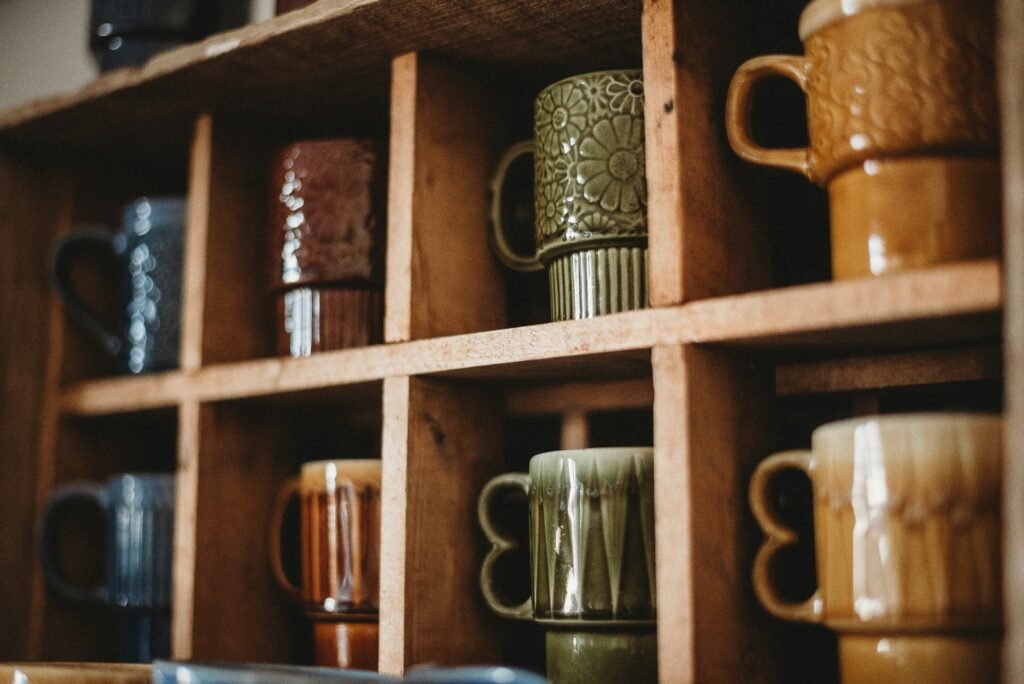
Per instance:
x=500, y=545
x=288, y=491
x=502, y=248
x=61, y=497
x=738, y=105
x=777, y=537
x=64, y=255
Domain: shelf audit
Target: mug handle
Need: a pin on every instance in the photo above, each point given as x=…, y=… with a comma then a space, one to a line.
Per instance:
x=777, y=537
x=288, y=491
x=738, y=104
x=63, y=255
x=500, y=545
x=502, y=249
x=76, y=491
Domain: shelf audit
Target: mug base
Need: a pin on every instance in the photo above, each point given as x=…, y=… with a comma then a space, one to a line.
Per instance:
x=594, y=282
x=321, y=318
x=615, y=656
x=346, y=644
x=909, y=659
x=891, y=215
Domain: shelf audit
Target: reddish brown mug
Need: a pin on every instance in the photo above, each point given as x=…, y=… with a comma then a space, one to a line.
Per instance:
x=327, y=226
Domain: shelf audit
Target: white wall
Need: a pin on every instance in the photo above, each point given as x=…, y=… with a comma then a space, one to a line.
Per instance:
x=44, y=47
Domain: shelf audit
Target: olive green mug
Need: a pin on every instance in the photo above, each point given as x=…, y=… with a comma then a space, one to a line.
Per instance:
x=591, y=561
x=590, y=195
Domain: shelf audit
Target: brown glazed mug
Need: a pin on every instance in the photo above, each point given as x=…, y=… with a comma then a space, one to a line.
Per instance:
x=907, y=544
x=328, y=227
x=903, y=125
x=339, y=508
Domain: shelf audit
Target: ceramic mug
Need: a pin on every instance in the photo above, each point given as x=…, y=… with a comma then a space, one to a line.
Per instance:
x=139, y=514
x=590, y=195
x=907, y=535
x=339, y=504
x=591, y=561
x=903, y=125
x=150, y=249
x=327, y=229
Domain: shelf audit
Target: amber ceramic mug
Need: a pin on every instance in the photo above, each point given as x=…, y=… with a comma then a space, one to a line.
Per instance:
x=327, y=230
x=907, y=531
x=339, y=504
x=591, y=561
x=903, y=126
x=589, y=192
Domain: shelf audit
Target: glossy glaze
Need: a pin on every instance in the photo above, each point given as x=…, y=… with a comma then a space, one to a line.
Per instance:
x=345, y=644
x=327, y=235
x=890, y=82
x=339, y=537
x=150, y=251
x=590, y=191
x=75, y=673
x=139, y=514
x=907, y=534
x=591, y=559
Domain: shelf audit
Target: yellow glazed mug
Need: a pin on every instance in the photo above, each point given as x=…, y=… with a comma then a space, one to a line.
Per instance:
x=907, y=532
x=903, y=126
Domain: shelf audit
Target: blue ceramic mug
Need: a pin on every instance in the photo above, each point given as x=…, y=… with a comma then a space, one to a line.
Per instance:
x=150, y=249
x=139, y=516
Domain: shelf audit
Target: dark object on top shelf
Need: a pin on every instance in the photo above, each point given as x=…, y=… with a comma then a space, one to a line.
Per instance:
x=289, y=5
x=128, y=32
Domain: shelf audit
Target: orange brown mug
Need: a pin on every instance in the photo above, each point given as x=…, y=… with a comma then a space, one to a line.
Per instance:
x=903, y=125
x=339, y=505
x=907, y=545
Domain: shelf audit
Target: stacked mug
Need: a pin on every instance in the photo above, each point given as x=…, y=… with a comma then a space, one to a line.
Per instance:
x=339, y=534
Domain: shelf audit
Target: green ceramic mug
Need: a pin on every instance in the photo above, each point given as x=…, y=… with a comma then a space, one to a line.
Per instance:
x=591, y=561
x=590, y=194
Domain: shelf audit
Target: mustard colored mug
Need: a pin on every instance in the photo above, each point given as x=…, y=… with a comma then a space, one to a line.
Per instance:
x=903, y=124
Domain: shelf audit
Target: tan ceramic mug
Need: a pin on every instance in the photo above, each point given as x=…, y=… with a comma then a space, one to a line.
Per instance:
x=906, y=526
x=903, y=126
x=339, y=503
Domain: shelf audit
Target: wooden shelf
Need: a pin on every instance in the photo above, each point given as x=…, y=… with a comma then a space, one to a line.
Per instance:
x=940, y=306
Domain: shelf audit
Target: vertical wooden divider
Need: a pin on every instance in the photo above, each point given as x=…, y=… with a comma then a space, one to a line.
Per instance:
x=441, y=276
x=704, y=240
x=441, y=442
x=711, y=426
x=1011, y=74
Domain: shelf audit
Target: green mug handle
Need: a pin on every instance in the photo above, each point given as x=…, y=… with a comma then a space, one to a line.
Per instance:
x=500, y=545
x=502, y=249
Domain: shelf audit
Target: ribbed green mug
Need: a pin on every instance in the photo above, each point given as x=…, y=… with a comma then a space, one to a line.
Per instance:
x=591, y=561
x=590, y=194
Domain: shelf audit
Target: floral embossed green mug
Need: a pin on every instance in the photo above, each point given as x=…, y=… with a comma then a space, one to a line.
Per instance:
x=590, y=194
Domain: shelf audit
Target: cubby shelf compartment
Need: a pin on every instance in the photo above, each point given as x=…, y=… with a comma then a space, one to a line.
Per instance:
x=947, y=305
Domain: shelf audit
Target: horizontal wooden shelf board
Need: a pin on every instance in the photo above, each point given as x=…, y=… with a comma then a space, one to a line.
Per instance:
x=287, y=71
x=941, y=305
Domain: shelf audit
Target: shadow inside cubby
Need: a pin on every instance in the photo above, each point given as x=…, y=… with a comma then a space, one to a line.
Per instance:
x=250, y=197
x=100, y=190
x=249, y=450
x=93, y=450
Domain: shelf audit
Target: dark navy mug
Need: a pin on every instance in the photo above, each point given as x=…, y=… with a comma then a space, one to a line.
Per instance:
x=150, y=248
x=139, y=514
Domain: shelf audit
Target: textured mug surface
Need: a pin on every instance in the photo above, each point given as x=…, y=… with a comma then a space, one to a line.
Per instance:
x=902, y=119
x=139, y=516
x=590, y=194
x=907, y=537
x=150, y=248
x=327, y=240
x=339, y=503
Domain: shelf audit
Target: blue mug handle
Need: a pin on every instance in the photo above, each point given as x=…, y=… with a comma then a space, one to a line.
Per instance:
x=63, y=256
x=75, y=492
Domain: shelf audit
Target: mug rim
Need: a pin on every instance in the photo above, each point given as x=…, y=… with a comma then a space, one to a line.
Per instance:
x=585, y=74
x=821, y=13
x=606, y=451
x=848, y=425
x=312, y=473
